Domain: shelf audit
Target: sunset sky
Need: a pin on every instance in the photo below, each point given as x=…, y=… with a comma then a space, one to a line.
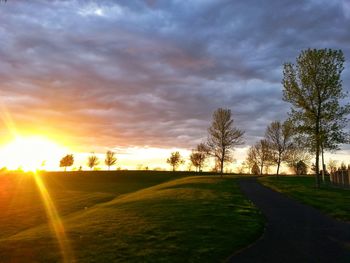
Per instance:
x=142, y=78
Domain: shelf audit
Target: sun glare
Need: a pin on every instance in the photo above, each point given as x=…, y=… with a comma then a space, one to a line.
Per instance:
x=31, y=153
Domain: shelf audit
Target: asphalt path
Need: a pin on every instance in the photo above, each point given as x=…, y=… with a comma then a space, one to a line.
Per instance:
x=294, y=232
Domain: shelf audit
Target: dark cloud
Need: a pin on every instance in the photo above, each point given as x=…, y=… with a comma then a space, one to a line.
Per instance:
x=136, y=73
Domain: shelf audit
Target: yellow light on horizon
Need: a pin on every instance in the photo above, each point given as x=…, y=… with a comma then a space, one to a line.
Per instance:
x=31, y=153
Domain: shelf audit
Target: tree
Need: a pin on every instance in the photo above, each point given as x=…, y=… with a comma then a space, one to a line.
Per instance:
x=260, y=154
x=93, y=161
x=296, y=155
x=279, y=138
x=255, y=169
x=175, y=160
x=198, y=156
x=223, y=137
x=300, y=168
x=67, y=161
x=332, y=164
x=251, y=159
x=244, y=168
x=110, y=159
x=314, y=88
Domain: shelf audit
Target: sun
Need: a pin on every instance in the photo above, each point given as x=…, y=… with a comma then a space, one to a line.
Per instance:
x=31, y=153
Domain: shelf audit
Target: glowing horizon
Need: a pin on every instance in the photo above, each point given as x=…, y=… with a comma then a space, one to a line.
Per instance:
x=37, y=152
x=30, y=153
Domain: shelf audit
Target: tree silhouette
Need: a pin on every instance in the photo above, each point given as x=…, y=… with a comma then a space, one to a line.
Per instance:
x=198, y=156
x=260, y=154
x=255, y=169
x=279, y=138
x=223, y=137
x=301, y=168
x=314, y=88
x=93, y=161
x=296, y=155
x=175, y=160
x=67, y=161
x=110, y=159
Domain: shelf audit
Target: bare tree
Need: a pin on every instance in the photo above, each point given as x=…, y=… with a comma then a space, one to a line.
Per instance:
x=223, y=137
x=93, y=161
x=260, y=154
x=279, y=137
x=332, y=164
x=110, y=159
x=251, y=159
x=67, y=161
x=296, y=156
x=255, y=169
x=244, y=168
x=175, y=160
x=198, y=156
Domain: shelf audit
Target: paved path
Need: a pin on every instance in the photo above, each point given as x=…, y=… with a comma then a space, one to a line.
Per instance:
x=294, y=232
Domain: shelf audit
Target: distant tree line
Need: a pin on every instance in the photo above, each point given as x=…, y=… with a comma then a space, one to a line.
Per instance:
x=92, y=161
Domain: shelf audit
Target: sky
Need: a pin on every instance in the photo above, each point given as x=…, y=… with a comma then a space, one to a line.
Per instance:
x=143, y=78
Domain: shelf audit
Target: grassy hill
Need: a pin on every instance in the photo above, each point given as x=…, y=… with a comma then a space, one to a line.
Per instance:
x=127, y=218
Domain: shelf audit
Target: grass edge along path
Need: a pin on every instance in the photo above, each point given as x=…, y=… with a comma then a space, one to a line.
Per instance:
x=334, y=202
x=193, y=219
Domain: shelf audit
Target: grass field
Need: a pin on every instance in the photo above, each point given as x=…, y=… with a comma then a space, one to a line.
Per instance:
x=133, y=217
x=330, y=200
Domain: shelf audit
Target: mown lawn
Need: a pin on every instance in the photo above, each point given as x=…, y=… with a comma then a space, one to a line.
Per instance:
x=21, y=205
x=330, y=200
x=129, y=218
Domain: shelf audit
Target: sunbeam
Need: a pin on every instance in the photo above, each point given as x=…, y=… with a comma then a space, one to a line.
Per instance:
x=55, y=221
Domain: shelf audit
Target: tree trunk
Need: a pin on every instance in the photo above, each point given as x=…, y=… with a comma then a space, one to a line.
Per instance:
x=65, y=168
x=317, y=133
x=221, y=167
x=222, y=162
x=317, y=167
x=278, y=164
x=323, y=166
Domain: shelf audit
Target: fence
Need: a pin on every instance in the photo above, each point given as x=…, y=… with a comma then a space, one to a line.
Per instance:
x=340, y=178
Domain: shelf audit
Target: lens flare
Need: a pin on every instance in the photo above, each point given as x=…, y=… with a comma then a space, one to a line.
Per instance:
x=55, y=221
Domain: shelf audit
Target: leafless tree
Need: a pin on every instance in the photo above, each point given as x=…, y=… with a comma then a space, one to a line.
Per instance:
x=279, y=138
x=198, y=156
x=223, y=137
x=260, y=154
x=296, y=155
x=332, y=165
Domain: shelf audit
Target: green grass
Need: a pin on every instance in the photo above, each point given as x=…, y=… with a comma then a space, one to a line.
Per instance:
x=330, y=200
x=141, y=217
x=21, y=205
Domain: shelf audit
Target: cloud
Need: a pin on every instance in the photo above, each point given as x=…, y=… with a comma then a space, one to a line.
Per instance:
x=150, y=73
